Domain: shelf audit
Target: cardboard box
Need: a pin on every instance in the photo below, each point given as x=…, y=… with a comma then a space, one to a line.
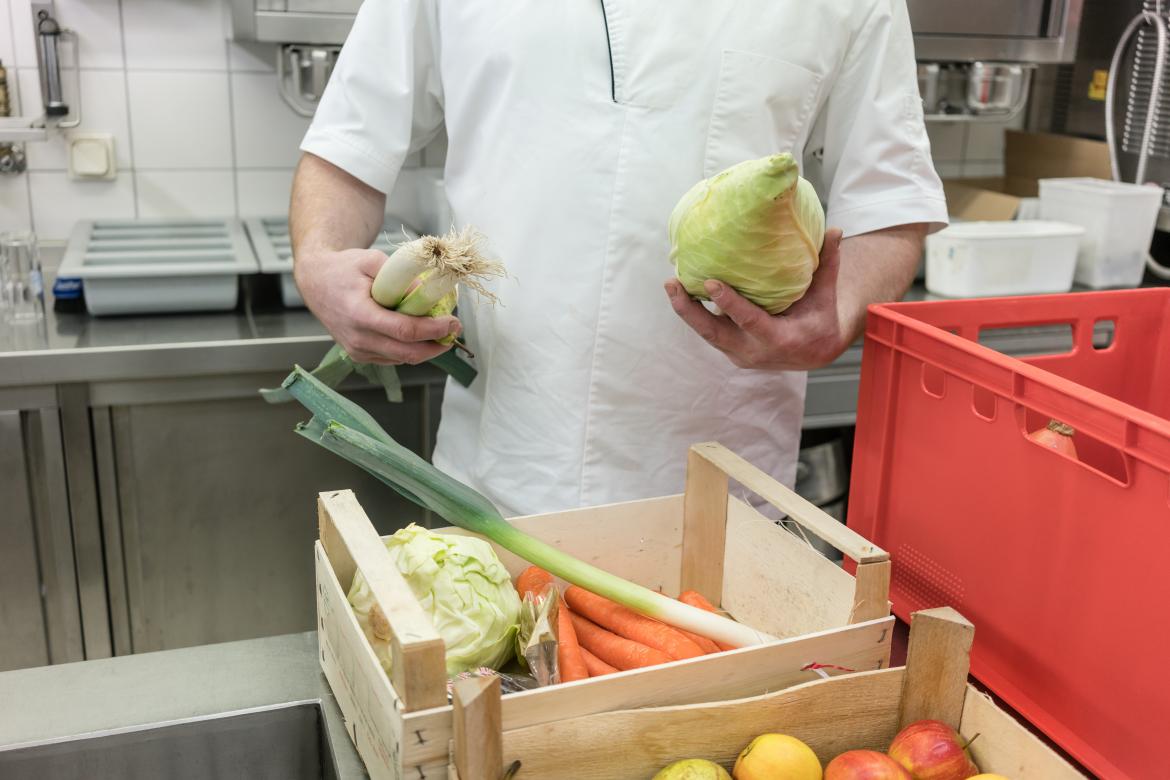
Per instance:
x=1028, y=157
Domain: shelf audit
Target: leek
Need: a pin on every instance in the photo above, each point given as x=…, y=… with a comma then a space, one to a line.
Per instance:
x=345, y=429
x=419, y=279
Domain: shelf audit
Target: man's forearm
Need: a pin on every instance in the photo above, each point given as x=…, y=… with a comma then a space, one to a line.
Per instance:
x=875, y=268
x=331, y=210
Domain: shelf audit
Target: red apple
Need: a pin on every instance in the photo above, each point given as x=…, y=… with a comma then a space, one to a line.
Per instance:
x=865, y=765
x=932, y=750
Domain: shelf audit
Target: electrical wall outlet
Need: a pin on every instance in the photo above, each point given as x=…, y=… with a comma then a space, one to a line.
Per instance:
x=91, y=156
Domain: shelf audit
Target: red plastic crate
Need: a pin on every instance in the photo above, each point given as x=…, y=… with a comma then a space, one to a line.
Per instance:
x=1058, y=562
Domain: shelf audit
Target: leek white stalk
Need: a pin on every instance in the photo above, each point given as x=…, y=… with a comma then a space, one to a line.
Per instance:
x=421, y=279
x=423, y=273
x=347, y=430
x=394, y=277
x=430, y=288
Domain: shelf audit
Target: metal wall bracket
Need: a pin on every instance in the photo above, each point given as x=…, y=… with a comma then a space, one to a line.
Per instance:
x=302, y=72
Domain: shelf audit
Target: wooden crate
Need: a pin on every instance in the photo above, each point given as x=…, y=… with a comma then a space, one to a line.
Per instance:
x=848, y=712
x=706, y=539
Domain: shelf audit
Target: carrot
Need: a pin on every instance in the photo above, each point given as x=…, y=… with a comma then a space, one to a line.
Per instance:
x=696, y=599
x=706, y=645
x=597, y=667
x=629, y=624
x=618, y=652
x=569, y=655
x=533, y=580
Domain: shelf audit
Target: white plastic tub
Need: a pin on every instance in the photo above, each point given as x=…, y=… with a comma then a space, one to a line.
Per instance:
x=273, y=247
x=1119, y=221
x=982, y=259
x=158, y=266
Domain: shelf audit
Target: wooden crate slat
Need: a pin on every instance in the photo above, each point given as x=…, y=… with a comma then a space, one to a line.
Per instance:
x=831, y=716
x=737, y=674
x=937, y=661
x=807, y=514
x=1005, y=747
x=704, y=527
x=776, y=582
x=419, y=669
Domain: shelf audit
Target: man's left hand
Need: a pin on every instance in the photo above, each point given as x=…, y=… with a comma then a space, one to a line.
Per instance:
x=809, y=334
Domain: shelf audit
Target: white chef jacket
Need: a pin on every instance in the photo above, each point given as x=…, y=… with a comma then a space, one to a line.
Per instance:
x=574, y=127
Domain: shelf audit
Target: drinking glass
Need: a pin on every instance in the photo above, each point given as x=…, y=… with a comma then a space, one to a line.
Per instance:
x=23, y=284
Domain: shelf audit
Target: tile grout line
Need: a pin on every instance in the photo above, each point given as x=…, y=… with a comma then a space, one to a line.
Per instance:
x=15, y=69
x=159, y=71
x=227, y=53
x=216, y=169
x=129, y=118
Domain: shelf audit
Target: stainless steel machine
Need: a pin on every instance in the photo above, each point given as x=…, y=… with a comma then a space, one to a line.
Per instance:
x=977, y=63
x=309, y=34
x=1035, y=31
x=978, y=66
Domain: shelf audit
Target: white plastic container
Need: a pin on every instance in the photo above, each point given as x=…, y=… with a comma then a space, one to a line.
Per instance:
x=1119, y=221
x=158, y=266
x=1021, y=257
x=273, y=248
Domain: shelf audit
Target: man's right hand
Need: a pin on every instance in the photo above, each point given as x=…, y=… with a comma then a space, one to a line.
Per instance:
x=336, y=288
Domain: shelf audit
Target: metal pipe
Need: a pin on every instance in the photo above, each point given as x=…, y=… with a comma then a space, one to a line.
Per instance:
x=48, y=48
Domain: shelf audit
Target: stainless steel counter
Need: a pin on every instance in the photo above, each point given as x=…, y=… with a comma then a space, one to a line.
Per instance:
x=70, y=348
x=119, y=697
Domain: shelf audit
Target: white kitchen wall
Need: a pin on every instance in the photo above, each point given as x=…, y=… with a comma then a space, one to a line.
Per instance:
x=199, y=127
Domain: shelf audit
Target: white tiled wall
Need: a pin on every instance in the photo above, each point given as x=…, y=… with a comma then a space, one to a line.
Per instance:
x=199, y=127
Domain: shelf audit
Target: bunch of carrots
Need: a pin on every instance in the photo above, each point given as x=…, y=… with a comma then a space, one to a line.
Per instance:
x=596, y=636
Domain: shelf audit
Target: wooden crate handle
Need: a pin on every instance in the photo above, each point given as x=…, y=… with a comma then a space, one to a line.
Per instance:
x=419, y=667
x=478, y=729
x=938, y=659
x=808, y=515
x=704, y=526
x=871, y=594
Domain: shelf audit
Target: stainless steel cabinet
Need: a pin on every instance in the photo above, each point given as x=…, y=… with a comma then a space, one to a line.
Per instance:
x=39, y=610
x=213, y=517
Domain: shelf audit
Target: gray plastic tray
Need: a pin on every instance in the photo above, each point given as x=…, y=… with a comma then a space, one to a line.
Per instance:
x=274, y=250
x=156, y=266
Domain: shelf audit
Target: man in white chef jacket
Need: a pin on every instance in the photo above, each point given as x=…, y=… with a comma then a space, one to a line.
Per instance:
x=573, y=129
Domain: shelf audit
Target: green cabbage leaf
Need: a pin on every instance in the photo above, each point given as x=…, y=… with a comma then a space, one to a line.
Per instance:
x=757, y=227
x=461, y=584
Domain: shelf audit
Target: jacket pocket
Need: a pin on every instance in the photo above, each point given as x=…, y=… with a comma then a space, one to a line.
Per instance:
x=762, y=106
